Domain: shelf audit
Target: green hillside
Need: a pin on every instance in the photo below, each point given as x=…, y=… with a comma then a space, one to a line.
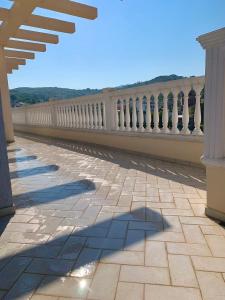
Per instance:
x=27, y=95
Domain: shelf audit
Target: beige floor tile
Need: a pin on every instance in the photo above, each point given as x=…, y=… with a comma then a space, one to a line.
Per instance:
x=193, y=234
x=165, y=236
x=141, y=274
x=64, y=287
x=215, y=230
x=131, y=291
x=123, y=257
x=177, y=212
x=188, y=249
x=104, y=283
x=181, y=271
x=216, y=244
x=213, y=264
x=155, y=254
x=199, y=209
x=212, y=285
x=158, y=292
x=182, y=203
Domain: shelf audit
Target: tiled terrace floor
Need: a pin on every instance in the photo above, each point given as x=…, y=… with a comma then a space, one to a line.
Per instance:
x=95, y=223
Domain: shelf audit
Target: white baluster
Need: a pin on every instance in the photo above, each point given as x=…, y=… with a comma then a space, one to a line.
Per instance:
x=95, y=116
x=91, y=116
x=197, y=115
x=76, y=116
x=116, y=115
x=84, y=116
x=100, y=115
x=87, y=116
x=128, y=114
x=121, y=115
x=80, y=116
x=134, y=114
x=156, y=114
x=175, y=114
x=148, y=115
x=104, y=116
x=140, y=114
x=165, y=128
x=185, y=117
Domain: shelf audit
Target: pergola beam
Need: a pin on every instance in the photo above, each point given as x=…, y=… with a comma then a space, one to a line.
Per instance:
x=19, y=12
x=42, y=22
x=19, y=54
x=18, y=61
x=25, y=45
x=70, y=8
x=36, y=36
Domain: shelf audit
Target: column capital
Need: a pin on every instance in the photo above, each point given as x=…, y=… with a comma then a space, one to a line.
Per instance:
x=212, y=39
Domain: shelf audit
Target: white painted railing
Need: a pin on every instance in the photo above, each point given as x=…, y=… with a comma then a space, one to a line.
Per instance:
x=154, y=108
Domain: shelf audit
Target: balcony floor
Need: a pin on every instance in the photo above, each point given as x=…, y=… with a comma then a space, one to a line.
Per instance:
x=98, y=223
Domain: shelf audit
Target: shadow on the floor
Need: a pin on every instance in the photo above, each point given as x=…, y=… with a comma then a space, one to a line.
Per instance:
x=33, y=171
x=72, y=248
x=14, y=150
x=22, y=159
x=184, y=174
x=55, y=193
x=3, y=223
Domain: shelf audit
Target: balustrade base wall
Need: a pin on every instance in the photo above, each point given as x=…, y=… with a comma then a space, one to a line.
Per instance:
x=186, y=149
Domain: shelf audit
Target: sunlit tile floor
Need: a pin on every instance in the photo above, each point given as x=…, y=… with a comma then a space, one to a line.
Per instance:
x=98, y=223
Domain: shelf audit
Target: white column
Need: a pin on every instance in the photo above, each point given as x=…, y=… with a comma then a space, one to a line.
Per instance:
x=140, y=114
x=214, y=121
x=128, y=114
x=121, y=114
x=148, y=115
x=156, y=114
x=175, y=114
x=165, y=118
x=197, y=115
x=185, y=118
x=134, y=114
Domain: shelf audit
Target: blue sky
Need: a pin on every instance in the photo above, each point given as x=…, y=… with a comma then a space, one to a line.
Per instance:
x=130, y=41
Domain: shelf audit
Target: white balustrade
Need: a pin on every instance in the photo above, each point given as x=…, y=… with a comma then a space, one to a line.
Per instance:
x=127, y=110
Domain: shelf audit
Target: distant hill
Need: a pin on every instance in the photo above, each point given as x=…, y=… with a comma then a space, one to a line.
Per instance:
x=26, y=95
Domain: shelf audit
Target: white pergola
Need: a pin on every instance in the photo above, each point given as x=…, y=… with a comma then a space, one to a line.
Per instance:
x=16, y=46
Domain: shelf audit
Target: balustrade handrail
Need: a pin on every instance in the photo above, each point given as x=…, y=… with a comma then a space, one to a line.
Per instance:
x=156, y=108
